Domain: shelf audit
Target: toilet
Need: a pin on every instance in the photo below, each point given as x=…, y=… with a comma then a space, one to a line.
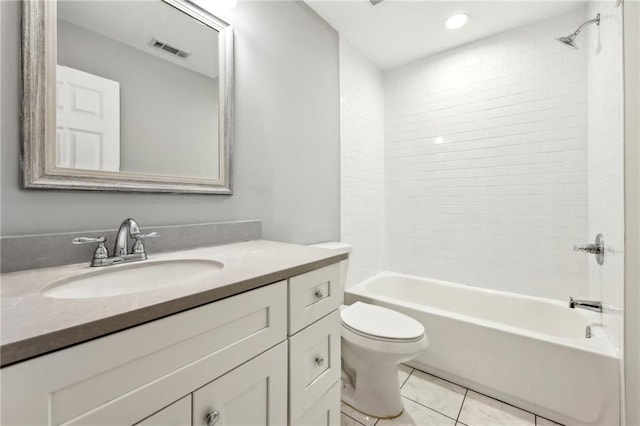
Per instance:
x=374, y=341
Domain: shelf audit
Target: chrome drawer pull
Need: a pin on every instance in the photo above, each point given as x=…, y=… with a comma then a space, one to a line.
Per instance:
x=213, y=417
x=319, y=294
x=319, y=360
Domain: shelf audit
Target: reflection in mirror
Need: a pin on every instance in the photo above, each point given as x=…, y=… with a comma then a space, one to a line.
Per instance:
x=127, y=95
x=137, y=90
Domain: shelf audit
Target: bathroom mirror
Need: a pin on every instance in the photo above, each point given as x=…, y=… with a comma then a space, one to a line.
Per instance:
x=126, y=96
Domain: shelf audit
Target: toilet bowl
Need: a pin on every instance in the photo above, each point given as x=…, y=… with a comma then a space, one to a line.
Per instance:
x=374, y=341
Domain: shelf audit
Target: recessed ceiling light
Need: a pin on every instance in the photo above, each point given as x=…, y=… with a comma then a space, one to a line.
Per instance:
x=456, y=21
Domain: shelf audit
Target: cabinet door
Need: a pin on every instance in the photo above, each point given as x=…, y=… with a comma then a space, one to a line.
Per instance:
x=254, y=393
x=324, y=412
x=177, y=414
x=314, y=359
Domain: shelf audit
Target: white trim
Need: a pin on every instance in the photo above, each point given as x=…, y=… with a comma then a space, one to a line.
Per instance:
x=632, y=212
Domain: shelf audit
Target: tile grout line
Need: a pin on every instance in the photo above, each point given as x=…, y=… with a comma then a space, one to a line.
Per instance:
x=457, y=419
x=438, y=377
x=480, y=393
x=342, y=412
x=444, y=380
x=407, y=379
x=466, y=391
x=428, y=408
x=506, y=403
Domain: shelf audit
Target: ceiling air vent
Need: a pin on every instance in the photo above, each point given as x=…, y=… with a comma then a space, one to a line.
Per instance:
x=169, y=49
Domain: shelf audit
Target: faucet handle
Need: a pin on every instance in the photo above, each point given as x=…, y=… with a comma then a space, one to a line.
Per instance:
x=100, y=252
x=138, y=247
x=149, y=235
x=596, y=248
x=88, y=240
x=587, y=248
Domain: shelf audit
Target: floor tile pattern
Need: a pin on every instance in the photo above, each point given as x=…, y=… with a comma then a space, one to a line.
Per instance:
x=429, y=400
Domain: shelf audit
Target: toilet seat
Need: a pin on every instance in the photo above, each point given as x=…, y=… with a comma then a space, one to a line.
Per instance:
x=381, y=324
x=381, y=339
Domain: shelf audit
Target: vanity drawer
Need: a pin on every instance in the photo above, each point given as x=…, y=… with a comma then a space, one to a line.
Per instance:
x=314, y=363
x=325, y=411
x=313, y=295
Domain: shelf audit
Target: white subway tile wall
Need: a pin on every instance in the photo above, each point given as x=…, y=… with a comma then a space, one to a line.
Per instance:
x=486, y=163
x=606, y=161
x=362, y=162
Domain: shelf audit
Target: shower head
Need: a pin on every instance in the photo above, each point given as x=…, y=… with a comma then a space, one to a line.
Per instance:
x=570, y=40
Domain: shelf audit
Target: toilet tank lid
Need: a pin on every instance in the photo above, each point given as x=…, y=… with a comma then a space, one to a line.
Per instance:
x=334, y=245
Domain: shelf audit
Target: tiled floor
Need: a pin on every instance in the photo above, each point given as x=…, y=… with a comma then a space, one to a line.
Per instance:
x=429, y=400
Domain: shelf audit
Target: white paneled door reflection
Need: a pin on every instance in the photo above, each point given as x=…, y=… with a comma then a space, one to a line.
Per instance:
x=88, y=121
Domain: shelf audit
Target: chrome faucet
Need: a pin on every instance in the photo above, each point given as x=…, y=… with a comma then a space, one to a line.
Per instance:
x=590, y=305
x=128, y=229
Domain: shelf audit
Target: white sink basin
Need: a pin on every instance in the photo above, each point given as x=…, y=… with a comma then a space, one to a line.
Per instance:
x=131, y=278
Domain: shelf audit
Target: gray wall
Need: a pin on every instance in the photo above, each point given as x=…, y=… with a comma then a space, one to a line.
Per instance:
x=168, y=113
x=286, y=156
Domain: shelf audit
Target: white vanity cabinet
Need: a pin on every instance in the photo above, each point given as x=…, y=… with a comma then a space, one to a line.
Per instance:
x=177, y=414
x=127, y=376
x=253, y=394
x=269, y=356
x=314, y=346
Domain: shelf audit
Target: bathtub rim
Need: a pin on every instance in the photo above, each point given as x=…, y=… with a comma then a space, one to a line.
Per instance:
x=598, y=343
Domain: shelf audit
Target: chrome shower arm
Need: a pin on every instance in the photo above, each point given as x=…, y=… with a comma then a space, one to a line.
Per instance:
x=595, y=20
x=570, y=40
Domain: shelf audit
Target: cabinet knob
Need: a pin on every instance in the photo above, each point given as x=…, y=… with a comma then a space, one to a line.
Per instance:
x=213, y=417
x=319, y=360
x=319, y=294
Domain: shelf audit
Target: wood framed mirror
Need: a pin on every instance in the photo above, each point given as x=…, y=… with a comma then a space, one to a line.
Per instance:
x=126, y=96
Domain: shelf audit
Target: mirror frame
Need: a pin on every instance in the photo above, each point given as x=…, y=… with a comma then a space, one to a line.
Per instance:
x=39, y=53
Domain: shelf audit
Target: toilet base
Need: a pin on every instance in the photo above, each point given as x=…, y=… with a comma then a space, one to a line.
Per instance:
x=376, y=392
x=347, y=399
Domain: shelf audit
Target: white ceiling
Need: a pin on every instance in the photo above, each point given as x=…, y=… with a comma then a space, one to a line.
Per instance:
x=397, y=32
x=136, y=23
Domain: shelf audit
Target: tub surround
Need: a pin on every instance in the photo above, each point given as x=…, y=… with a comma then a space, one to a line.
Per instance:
x=606, y=163
x=34, y=324
x=493, y=173
x=362, y=157
x=483, y=160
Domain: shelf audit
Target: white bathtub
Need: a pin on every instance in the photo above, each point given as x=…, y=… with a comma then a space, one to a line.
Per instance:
x=526, y=351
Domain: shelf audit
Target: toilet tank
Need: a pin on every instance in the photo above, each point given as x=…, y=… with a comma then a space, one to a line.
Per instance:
x=342, y=247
